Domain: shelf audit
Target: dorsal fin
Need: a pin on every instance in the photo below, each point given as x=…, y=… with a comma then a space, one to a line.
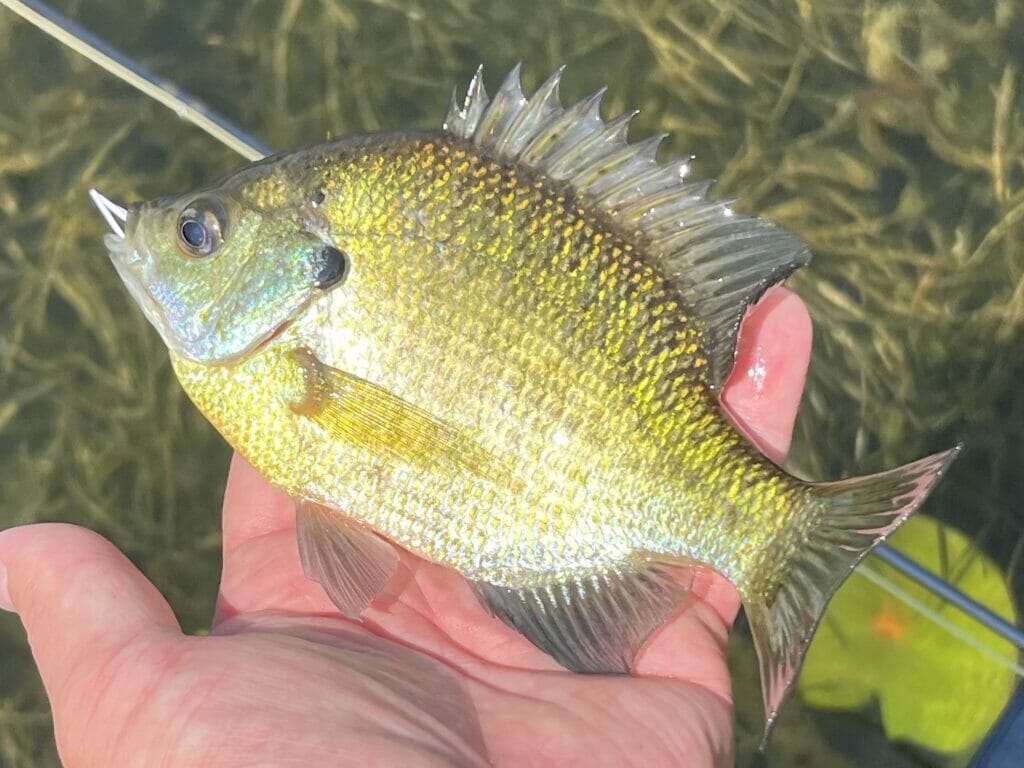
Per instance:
x=720, y=262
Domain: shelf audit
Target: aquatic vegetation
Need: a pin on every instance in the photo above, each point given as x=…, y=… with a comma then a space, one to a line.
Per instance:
x=932, y=687
x=887, y=135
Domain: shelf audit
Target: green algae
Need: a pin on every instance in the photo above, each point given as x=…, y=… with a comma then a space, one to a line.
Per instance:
x=887, y=134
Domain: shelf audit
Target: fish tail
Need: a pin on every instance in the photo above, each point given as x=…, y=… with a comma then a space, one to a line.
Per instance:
x=853, y=517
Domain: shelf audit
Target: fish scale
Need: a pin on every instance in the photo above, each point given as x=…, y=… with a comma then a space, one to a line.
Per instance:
x=542, y=363
x=500, y=346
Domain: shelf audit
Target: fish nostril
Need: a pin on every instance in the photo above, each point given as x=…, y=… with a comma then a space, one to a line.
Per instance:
x=332, y=267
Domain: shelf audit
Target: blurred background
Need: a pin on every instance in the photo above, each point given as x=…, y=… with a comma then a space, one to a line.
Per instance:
x=889, y=135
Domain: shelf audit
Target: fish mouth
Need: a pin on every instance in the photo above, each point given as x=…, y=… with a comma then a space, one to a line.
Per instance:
x=126, y=247
x=127, y=261
x=115, y=215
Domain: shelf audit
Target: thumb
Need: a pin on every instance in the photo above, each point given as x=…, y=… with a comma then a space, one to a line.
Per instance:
x=81, y=602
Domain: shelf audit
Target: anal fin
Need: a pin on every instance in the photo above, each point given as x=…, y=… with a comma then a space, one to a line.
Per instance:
x=595, y=623
x=352, y=563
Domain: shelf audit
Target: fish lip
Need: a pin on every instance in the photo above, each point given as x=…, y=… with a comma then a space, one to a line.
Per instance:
x=133, y=282
x=128, y=262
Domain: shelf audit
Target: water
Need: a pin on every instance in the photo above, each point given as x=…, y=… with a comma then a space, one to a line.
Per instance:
x=887, y=137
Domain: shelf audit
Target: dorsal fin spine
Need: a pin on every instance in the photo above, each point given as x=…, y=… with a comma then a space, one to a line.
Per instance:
x=535, y=112
x=580, y=119
x=507, y=104
x=638, y=172
x=580, y=157
x=718, y=262
x=577, y=156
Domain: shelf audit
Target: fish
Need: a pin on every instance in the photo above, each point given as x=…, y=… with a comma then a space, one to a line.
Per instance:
x=500, y=346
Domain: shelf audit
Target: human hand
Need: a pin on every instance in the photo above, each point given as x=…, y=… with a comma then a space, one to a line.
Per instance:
x=426, y=678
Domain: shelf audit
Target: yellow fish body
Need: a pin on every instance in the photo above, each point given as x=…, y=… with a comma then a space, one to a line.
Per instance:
x=499, y=347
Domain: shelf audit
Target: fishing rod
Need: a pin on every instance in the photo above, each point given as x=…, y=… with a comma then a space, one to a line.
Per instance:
x=188, y=108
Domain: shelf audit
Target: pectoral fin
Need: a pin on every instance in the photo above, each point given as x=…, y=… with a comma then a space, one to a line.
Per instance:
x=362, y=413
x=352, y=563
x=593, y=623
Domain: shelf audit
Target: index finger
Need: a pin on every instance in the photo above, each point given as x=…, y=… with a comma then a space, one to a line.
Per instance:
x=761, y=397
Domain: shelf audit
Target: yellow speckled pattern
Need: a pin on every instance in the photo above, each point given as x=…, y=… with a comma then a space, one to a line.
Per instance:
x=518, y=319
x=497, y=346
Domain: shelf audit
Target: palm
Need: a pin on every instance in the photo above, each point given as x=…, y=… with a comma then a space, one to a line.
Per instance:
x=425, y=678
x=496, y=688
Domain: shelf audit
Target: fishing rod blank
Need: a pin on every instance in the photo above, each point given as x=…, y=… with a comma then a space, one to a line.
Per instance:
x=79, y=39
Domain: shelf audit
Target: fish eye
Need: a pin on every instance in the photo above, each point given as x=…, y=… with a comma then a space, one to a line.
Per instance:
x=202, y=227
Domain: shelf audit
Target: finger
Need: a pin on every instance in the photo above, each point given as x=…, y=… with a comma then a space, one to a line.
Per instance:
x=252, y=507
x=691, y=647
x=261, y=569
x=762, y=396
x=774, y=350
x=81, y=601
x=434, y=609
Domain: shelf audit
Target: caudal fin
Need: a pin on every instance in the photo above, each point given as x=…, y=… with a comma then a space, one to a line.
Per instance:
x=855, y=516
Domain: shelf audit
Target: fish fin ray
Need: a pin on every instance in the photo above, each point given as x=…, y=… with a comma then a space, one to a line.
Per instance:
x=720, y=262
x=595, y=623
x=351, y=563
x=463, y=121
x=506, y=106
x=361, y=413
x=856, y=515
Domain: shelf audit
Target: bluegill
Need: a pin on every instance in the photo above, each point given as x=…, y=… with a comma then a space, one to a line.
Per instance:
x=500, y=346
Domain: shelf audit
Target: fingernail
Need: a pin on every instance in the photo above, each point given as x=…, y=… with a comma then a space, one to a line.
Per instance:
x=5, y=595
